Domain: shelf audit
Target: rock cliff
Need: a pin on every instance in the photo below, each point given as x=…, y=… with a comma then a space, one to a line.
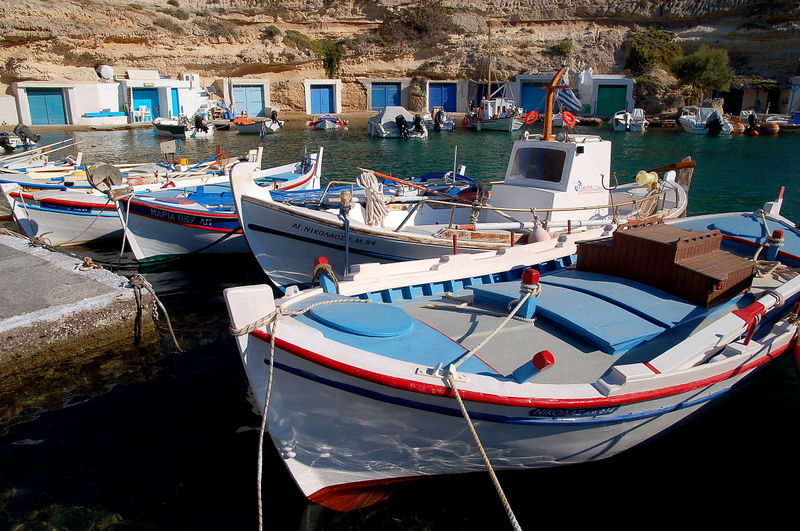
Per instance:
x=288, y=41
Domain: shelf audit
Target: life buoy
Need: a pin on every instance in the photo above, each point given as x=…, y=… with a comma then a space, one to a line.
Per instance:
x=531, y=117
x=568, y=118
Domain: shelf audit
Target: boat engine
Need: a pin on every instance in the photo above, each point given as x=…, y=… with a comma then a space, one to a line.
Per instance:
x=5, y=143
x=273, y=115
x=752, y=124
x=714, y=125
x=438, y=119
x=418, y=125
x=402, y=125
x=26, y=135
x=200, y=123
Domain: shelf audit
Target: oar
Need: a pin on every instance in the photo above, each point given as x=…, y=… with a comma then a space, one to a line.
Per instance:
x=676, y=166
x=418, y=187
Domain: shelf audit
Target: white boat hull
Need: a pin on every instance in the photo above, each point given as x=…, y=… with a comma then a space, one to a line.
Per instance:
x=497, y=124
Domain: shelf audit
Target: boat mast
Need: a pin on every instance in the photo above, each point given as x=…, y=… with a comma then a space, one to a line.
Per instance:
x=548, y=106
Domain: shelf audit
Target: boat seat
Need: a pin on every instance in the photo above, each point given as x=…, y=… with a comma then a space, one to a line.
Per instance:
x=388, y=330
x=606, y=325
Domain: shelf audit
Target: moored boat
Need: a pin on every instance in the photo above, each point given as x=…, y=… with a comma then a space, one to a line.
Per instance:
x=558, y=352
x=621, y=121
x=183, y=127
x=396, y=122
x=327, y=122
x=704, y=121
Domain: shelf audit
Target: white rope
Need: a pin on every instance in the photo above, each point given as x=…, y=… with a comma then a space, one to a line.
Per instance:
x=506, y=505
x=376, y=208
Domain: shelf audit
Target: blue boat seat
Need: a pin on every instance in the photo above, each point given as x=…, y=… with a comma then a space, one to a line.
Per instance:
x=609, y=327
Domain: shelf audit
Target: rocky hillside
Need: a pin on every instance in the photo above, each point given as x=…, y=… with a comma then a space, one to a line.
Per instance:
x=287, y=41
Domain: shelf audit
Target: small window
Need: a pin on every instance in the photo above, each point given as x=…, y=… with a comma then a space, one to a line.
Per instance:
x=540, y=164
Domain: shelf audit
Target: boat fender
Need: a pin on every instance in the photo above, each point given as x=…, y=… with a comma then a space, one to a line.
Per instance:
x=531, y=117
x=541, y=361
x=323, y=272
x=540, y=234
x=568, y=118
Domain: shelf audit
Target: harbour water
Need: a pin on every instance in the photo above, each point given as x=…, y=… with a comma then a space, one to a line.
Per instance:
x=158, y=439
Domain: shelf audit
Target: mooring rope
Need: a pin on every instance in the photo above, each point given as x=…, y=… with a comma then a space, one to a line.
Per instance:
x=272, y=318
x=376, y=208
x=139, y=283
x=496, y=482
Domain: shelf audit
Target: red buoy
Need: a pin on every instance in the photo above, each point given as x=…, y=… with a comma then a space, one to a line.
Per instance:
x=543, y=360
x=531, y=276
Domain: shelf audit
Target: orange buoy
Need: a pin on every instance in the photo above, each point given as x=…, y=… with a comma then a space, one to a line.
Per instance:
x=738, y=128
x=770, y=128
x=531, y=117
x=568, y=118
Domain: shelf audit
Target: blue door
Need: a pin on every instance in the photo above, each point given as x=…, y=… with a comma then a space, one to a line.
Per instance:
x=321, y=99
x=249, y=99
x=146, y=97
x=385, y=95
x=176, y=103
x=533, y=97
x=46, y=106
x=442, y=95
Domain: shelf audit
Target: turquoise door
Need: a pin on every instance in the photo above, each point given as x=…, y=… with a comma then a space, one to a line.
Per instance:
x=249, y=99
x=533, y=97
x=46, y=106
x=442, y=95
x=321, y=99
x=610, y=99
x=384, y=95
x=146, y=97
x=176, y=103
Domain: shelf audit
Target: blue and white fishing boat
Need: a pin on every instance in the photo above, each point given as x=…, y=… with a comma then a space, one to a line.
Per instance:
x=327, y=122
x=551, y=186
x=202, y=219
x=67, y=212
x=558, y=352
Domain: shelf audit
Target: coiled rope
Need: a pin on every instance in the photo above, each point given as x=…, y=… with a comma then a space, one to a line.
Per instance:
x=376, y=208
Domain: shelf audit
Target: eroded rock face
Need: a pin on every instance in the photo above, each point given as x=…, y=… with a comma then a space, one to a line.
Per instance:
x=44, y=40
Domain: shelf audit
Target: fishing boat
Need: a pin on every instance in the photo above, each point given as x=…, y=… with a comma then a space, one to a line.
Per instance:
x=202, y=219
x=327, y=122
x=248, y=126
x=704, y=121
x=439, y=120
x=21, y=138
x=72, y=215
x=396, y=122
x=183, y=127
x=787, y=123
x=558, y=352
x=495, y=113
x=621, y=121
x=551, y=186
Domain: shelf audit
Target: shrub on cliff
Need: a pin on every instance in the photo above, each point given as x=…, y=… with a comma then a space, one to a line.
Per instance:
x=429, y=23
x=706, y=69
x=651, y=48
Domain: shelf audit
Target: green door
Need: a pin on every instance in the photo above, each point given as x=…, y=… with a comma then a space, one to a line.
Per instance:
x=610, y=99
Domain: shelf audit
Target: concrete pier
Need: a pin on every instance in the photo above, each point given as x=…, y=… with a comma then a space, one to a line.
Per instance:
x=54, y=307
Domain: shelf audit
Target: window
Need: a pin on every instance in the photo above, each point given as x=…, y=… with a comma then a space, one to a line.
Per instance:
x=540, y=164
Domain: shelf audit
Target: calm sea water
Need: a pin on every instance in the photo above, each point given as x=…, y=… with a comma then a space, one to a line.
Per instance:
x=157, y=439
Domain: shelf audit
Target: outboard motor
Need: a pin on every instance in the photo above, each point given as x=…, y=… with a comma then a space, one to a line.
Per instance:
x=26, y=135
x=273, y=115
x=5, y=143
x=402, y=125
x=752, y=124
x=418, y=125
x=714, y=125
x=200, y=124
x=438, y=119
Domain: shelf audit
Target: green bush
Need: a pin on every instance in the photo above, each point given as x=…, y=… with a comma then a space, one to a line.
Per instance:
x=136, y=6
x=177, y=13
x=168, y=24
x=429, y=22
x=297, y=40
x=223, y=29
x=564, y=47
x=269, y=33
x=706, y=69
x=331, y=52
x=173, y=3
x=651, y=48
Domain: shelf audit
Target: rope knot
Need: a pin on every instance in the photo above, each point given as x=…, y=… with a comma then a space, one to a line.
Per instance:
x=324, y=269
x=88, y=264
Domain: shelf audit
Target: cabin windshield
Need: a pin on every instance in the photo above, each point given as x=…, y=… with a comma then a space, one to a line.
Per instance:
x=539, y=164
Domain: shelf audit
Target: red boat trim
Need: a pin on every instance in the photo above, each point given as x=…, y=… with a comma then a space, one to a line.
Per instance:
x=751, y=243
x=101, y=206
x=304, y=181
x=198, y=213
x=350, y=496
x=441, y=390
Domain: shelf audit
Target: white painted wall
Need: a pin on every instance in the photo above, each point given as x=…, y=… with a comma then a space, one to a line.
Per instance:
x=8, y=110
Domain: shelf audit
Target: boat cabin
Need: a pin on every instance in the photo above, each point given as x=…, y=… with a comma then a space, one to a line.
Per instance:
x=552, y=175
